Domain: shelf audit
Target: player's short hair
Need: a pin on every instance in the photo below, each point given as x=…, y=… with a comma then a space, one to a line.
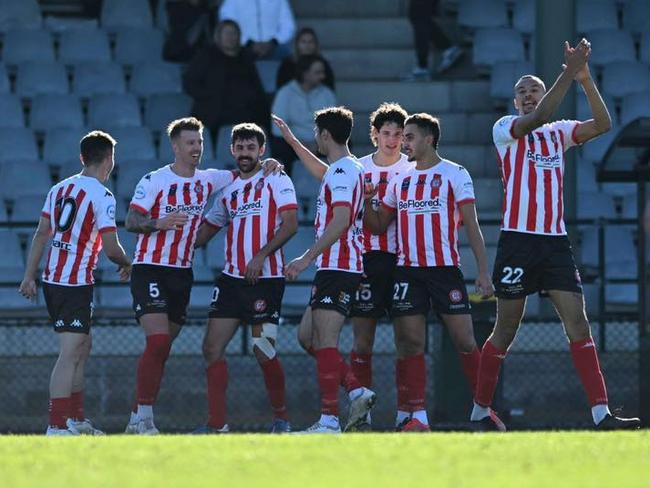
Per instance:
x=537, y=79
x=304, y=63
x=386, y=113
x=95, y=146
x=175, y=127
x=428, y=123
x=337, y=121
x=247, y=130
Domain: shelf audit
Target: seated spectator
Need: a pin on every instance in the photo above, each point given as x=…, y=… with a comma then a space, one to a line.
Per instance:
x=305, y=44
x=267, y=26
x=190, y=24
x=224, y=83
x=296, y=103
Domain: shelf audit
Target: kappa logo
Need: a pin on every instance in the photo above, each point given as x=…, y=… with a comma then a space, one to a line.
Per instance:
x=327, y=300
x=108, y=194
x=138, y=307
x=76, y=324
x=275, y=315
x=339, y=171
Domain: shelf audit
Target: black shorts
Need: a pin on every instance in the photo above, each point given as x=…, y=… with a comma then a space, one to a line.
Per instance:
x=70, y=307
x=161, y=289
x=253, y=304
x=529, y=263
x=375, y=294
x=334, y=290
x=416, y=290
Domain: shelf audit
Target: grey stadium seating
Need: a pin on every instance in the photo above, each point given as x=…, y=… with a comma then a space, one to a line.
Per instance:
x=166, y=154
x=4, y=80
x=17, y=144
x=136, y=45
x=635, y=16
x=62, y=145
x=116, y=14
x=92, y=78
x=24, y=178
x=34, y=78
x=482, y=13
x=19, y=14
x=55, y=111
x=596, y=14
x=610, y=46
x=497, y=45
x=634, y=106
x=27, y=45
x=84, y=45
x=11, y=110
x=161, y=109
x=155, y=77
x=133, y=143
x=114, y=110
x=625, y=78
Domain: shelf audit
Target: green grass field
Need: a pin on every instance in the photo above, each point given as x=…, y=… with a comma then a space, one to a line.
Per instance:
x=574, y=459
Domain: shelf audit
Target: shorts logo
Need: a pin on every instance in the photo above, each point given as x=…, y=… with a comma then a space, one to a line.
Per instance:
x=59, y=323
x=138, y=307
x=455, y=296
x=327, y=300
x=275, y=315
x=76, y=323
x=344, y=298
x=259, y=305
x=259, y=185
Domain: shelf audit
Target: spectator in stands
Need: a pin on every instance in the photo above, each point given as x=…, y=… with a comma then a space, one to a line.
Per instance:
x=426, y=31
x=305, y=44
x=267, y=26
x=190, y=25
x=224, y=83
x=296, y=103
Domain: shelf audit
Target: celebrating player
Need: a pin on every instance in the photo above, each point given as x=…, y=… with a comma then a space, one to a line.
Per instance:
x=428, y=203
x=534, y=253
x=262, y=215
x=165, y=212
x=79, y=216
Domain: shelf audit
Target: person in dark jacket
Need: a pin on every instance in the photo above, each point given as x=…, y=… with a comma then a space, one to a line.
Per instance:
x=305, y=44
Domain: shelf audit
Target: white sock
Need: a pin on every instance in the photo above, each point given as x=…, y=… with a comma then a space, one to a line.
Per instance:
x=421, y=415
x=479, y=412
x=145, y=412
x=134, y=418
x=329, y=420
x=599, y=412
x=401, y=416
x=356, y=393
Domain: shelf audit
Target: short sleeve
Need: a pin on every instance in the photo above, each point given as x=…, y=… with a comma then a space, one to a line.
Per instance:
x=217, y=216
x=463, y=187
x=47, y=206
x=145, y=194
x=390, y=197
x=220, y=178
x=568, y=130
x=502, y=130
x=341, y=182
x=105, y=212
x=285, y=194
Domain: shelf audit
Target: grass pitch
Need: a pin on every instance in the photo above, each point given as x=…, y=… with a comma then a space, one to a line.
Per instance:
x=574, y=459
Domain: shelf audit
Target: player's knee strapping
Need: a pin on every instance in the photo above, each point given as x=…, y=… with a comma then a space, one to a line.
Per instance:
x=263, y=343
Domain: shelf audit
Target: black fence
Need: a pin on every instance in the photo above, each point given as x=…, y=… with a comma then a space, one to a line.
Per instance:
x=539, y=387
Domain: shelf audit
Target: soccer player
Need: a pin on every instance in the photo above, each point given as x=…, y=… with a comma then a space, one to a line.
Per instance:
x=337, y=252
x=165, y=212
x=373, y=299
x=79, y=216
x=428, y=203
x=261, y=214
x=534, y=253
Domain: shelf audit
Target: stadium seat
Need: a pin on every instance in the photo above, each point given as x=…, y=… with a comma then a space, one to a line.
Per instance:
x=62, y=146
x=644, y=52
x=303, y=181
x=34, y=78
x=635, y=16
x=11, y=110
x=222, y=148
x=156, y=77
x=201, y=296
x=4, y=217
x=166, y=154
x=9, y=298
x=84, y=45
x=125, y=13
x=11, y=254
x=215, y=252
x=595, y=205
x=468, y=262
x=624, y=78
x=17, y=144
x=596, y=149
x=505, y=75
x=523, y=16
x=630, y=210
x=133, y=143
x=19, y=14
x=583, y=112
x=24, y=178
x=489, y=197
x=136, y=45
x=98, y=78
x=27, y=208
x=5, y=86
x=114, y=110
x=27, y=45
x=586, y=176
x=635, y=106
x=267, y=71
x=596, y=14
x=297, y=245
x=624, y=294
x=610, y=46
x=52, y=111
x=129, y=174
x=478, y=14
x=497, y=45
x=163, y=108
x=620, y=251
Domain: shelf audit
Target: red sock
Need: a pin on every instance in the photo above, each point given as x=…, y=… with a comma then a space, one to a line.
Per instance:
x=470, y=361
x=274, y=380
x=77, y=405
x=415, y=375
x=348, y=379
x=328, y=362
x=361, y=365
x=217, y=375
x=585, y=360
x=59, y=410
x=488, y=374
x=402, y=387
x=151, y=366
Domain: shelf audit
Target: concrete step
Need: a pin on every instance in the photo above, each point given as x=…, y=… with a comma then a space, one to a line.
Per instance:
x=348, y=8
x=361, y=33
x=365, y=96
x=370, y=64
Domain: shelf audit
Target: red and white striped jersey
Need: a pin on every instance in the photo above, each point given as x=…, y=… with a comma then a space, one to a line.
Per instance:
x=380, y=176
x=532, y=170
x=79, y=209
x=428, y=213
x=342, y=185
x=253, y=207
x=162, y=192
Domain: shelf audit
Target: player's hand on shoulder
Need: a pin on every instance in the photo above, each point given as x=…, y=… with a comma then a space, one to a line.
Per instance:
x=28, y=288
x=272, y=166
x=172, y=221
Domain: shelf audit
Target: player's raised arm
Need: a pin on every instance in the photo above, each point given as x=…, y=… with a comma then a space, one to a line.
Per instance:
x=313, y=163
x=526, y=94
x=601, y=121
x=39, y=241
